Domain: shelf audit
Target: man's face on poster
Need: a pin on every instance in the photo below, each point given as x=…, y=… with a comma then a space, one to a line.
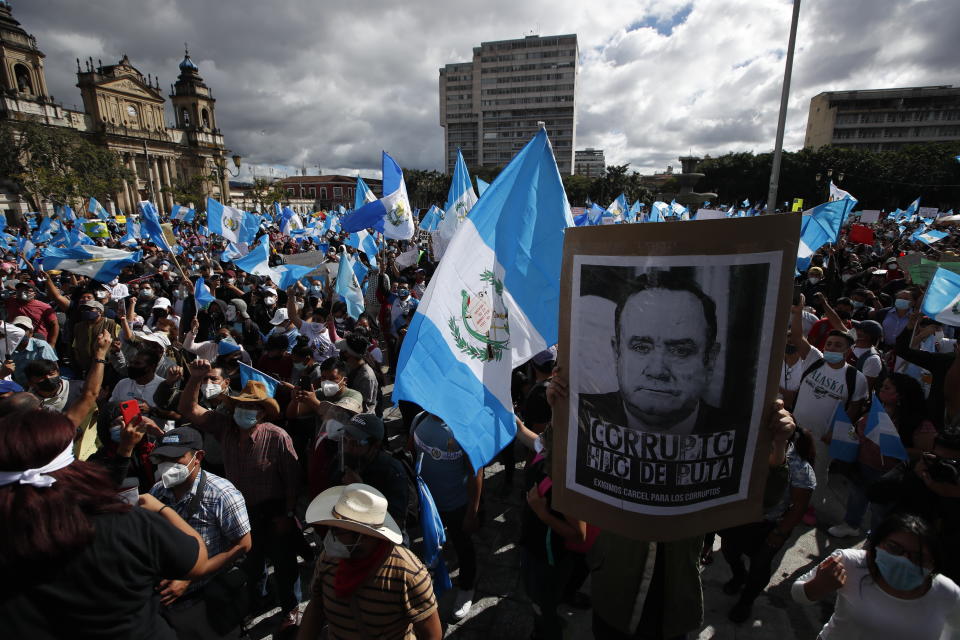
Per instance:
x=664, y=362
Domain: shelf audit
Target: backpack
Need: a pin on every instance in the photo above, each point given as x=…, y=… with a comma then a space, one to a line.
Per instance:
x=862, y=360
x=851, y=374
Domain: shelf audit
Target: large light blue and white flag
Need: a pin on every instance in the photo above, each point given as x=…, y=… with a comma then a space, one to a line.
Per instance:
x=363, y=241
x=201, y=293
x=881, y=430
x=460, y=199
x=249, y=228
x=248, y=373
x=942, y=299
x=332, y=223
x=232, y=251
x=912, y=211
x=289, y=220
x=836, y=193
x=150, y=225
x=97, y=209
x=432, y=219
x=491, y=305
x=65, y=213
x=257, y=261
x=821, y=227
x=635, y=208
x=678, y=210
x=658, y=211
x=132, y=236
x=362, y=195
x=930, y=236
x=348, y=287
x=100, y=263
x=618, y=207
x=391, y=215
x=481, y=186
x=288, y=274
x=181, y=213
x=844, y=444
x=224, y=221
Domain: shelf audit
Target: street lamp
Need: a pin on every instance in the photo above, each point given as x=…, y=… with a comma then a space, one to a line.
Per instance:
x=220, y=172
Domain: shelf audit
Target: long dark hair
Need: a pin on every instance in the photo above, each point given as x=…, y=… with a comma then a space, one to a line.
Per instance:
x=44, y=525
x=805, y=445
x=911, y=406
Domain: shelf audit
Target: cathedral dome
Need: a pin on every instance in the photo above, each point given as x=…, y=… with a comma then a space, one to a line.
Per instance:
x=187, y=64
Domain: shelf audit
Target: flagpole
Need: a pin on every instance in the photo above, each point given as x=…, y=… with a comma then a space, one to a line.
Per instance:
x=782, y=120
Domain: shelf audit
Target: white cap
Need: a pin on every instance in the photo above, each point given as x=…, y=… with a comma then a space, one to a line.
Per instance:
x=280, y=316
x=162, y=303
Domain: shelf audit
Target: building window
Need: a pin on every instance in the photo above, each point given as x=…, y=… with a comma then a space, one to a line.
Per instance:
x=22, y=75
x=205, y=118
x=323, y=193
x=185, y=116
x=313, y=192
x=338, y=192
x=290, y=191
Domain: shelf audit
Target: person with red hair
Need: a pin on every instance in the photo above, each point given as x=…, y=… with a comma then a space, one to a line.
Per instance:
x=78, y=560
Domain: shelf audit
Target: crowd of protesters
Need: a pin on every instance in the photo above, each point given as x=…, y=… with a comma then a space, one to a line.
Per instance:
x=150, y=489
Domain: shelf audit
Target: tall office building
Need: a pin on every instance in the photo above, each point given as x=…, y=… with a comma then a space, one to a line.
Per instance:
x=490, y=107
x=589, y=162
x=884, y=119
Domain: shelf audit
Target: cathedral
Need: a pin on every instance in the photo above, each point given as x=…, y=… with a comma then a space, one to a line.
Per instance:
x=124, y=111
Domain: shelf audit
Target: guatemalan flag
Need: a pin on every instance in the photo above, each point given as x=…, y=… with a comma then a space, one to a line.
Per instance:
x=97, y=209
x=248, y=373
x=201, y=294
x=658, y=211
x=618, y=207
x=181, y=213
x=431, y=221
x=150, y=225
x=289, y=221
x=363, y=241
x=100, y=263
x=820, y=227
x=942, y=300
x=460, y=199
x=225, y=221
x=844, y=444
x=391, y=215
x=362, y=195
x=491, y=306
x=348, y=286
x=481, y=186
x=931, y=236
x=881, y=430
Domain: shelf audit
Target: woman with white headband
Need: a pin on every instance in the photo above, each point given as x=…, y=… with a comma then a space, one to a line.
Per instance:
x=76, y=559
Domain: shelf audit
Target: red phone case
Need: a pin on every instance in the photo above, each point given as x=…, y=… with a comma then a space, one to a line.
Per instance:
x=129, y=409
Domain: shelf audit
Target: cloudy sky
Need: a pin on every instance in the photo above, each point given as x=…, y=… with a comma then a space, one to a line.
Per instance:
x=314, y=83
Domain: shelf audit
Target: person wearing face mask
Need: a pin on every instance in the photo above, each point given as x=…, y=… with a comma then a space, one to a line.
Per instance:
x=283, y=326
x=894, y=319
x=92, y=324
x=364, y=561
x=823, y=385
x=27, y=350
x=141, y=382
x=893, y=270
x=217, y=511
x=146, y=296
x=210, y=349
x=242, y=328
x=889, y=590
x=864, y=355
x=937, y=364
x=25, y=303
x=813, y=283
x=260, y=460
x=360, y=375
x=402, y=306
x=266, y=309
x=316, y=330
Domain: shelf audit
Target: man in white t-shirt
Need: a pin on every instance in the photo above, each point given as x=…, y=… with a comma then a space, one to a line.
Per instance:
x=864, y=355
x=317, y=331
x=142, y=383
x=824, y=384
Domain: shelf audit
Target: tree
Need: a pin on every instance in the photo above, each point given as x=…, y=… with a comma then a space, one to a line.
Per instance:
x=425, y=188
x=190, y=190
x=577, y=188
x=265, y=192
x=58, y=165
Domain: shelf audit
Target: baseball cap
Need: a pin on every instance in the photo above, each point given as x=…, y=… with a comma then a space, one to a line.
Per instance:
x=279, y=316
x=162, y=303
x=93, y=304
x=364, y=426
x=177, y=442
x=545, y=356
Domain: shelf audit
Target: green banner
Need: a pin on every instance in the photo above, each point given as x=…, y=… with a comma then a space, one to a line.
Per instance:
x=921, y=273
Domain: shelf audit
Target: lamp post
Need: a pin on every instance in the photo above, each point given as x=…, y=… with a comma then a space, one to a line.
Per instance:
x=829, y=176
x=221, y=172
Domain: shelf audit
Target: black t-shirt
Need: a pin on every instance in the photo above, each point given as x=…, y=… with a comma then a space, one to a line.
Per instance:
x=536, y=409
x=108, y=589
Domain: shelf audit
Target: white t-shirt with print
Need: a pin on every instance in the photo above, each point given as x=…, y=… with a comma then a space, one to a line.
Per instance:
x=820, y=393
x=790, y=375
x=872, y=366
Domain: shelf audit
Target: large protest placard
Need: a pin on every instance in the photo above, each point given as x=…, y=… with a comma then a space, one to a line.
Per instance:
x=672, y=336
x=869, y=216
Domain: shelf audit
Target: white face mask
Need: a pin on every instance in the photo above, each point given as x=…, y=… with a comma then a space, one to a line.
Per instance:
x=210, y=391
x=329, y=388
x=333, y=548
x=270, y=300
x=173, y=473
x=245, y=418
x=814, y=280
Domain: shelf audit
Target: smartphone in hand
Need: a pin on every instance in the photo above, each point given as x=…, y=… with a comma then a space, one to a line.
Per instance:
x=130, y=410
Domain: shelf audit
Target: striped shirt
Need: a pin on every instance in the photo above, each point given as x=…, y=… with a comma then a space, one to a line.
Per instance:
x=261, y=461
x=385, y=606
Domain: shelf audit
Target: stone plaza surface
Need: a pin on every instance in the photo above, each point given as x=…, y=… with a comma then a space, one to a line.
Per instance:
x=502, y=610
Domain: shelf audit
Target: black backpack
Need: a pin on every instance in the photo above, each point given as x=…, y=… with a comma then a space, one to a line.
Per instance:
x=851, y=374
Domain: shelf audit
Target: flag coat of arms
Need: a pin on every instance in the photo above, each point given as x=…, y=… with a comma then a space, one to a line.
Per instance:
x=491, y=305
x=225, y=221
x=391, y=215
x=942, y=300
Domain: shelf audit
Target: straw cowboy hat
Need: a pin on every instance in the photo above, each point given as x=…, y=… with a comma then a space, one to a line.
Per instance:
x=356, y=507
x=255, y=392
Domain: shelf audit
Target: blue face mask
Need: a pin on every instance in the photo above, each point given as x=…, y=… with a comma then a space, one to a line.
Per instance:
x=899, y=572
x=901, y=304
x=833, y=357
x=115, y=433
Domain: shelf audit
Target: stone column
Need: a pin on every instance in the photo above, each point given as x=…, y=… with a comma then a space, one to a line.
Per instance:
x=135, y=187
x=155, y=180
x=165, y=169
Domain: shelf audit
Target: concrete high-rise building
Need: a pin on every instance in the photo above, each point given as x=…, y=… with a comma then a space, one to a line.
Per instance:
x=884, y=119
x=589, y=163
x=490, y=107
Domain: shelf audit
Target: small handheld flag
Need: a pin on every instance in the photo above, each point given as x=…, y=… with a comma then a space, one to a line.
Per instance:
x=942, y=300
x=201, y=293
x=248, y=373
x=881, y=430
x=844, y=444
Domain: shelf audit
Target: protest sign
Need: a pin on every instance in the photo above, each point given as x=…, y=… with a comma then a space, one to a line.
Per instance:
x=711, y=214
x=870, y=216
x=797, y=205
x=909, y=260
x=861, y=234
x=928, y=212
x=673, y=338
x=305, y=259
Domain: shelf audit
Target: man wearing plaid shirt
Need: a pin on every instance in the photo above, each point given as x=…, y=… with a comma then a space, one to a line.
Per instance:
x=212, y=506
